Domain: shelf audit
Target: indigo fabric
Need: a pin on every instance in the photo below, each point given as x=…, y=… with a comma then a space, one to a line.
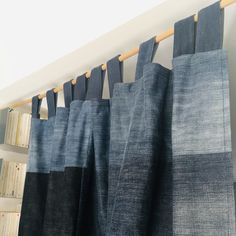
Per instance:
x=74, y=161
x=36, y=183
x=155, y=159
x=86, y=168
x=203, y=198
x=54, y=211
x=94, y=181
x=140, y=145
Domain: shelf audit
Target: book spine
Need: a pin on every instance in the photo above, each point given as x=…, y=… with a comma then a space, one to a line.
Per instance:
x=1, y=175
x=8, y=128
x=5, y=174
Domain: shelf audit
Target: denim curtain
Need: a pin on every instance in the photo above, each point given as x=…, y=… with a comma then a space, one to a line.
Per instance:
x=138, y=148
x=36, y=182
x=54, y=217
x=154, y=159
x=203, y=199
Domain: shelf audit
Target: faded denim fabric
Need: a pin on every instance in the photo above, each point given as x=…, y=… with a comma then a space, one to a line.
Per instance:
x=72, y=167
x=93, y=194
x=139, y=199
x=203, y=197
x=86, y=168
x=54, y=211
x=86, y=160
x=36, y=183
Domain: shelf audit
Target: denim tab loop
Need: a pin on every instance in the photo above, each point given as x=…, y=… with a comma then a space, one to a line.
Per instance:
x=146, y=53
x=184, y=37
x=80, y=87
x=114, y=72
x=95, y=84
x=210, y=28
x=51, y=102
x=68, y=93
x=36, y=104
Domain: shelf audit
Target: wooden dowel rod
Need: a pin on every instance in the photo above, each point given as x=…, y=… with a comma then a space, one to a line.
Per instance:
x=123, y=57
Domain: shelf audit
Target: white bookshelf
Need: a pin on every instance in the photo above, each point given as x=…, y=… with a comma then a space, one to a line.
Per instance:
x=10, y=206
x=14, y=154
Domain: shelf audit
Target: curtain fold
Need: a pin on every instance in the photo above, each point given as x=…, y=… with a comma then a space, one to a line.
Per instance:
x=53, y=216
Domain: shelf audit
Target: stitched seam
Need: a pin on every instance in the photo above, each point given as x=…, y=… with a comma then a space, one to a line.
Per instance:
x=223, y=112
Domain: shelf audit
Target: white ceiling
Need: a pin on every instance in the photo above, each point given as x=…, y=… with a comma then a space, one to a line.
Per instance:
x=36, y=33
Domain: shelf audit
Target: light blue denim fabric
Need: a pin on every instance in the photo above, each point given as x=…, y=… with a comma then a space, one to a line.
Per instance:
x=40, y=145
x=140, y=152
x=202, y=163
x=59, y=139
x=36, y=182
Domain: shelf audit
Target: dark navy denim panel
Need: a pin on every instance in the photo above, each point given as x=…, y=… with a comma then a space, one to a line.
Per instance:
x=35, y=190
x=203, y=194
x=138, y=147
x=33, y=205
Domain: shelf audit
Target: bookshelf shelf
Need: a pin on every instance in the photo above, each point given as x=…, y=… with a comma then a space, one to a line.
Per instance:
x=6, y=197
x=13, y=148
x=10, y=204
x=14, y=140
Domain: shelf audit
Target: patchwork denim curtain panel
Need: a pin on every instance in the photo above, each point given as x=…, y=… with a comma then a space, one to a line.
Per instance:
x=54, y=217
x=203, y=199
x=93, y=194
x=73, y=159
x=138, y=149
x=36, y=183
x=154, y=159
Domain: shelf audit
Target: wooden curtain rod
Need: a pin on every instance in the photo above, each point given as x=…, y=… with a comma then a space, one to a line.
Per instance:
x=123, y=57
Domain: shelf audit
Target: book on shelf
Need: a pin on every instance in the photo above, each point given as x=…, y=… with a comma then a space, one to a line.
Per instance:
x=17, y=130
x=12, y=178
x=3, y=176
x=9, y=223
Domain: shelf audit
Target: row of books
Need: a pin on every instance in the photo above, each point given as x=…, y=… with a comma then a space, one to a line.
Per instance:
x=12, y=179
x=9, y=223
x=18, y=129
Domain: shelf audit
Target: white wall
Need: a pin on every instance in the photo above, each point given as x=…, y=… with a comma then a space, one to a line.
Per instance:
x=122, y=39
x=36, y=33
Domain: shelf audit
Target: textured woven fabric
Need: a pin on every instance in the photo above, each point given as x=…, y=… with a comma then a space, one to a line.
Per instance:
x=139, y=199
x=38, y=167
x=137, y=151
x=86, y=168
x=155, y=159
x=93, y=194
x=203, y=197
x=54, y=211
x=72, y=168
x=36, y=183
x=202, y=165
